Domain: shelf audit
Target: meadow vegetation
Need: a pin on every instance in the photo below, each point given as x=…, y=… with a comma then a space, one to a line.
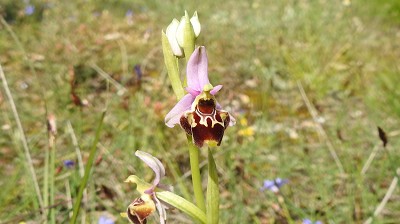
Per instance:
x=306, y=80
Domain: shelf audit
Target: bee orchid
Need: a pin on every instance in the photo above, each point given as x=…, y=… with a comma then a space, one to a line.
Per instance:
x=143, y=206
x=198, y=112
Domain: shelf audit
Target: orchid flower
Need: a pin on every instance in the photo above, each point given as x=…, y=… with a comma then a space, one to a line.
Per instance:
x=138, y=211
x=198, y=112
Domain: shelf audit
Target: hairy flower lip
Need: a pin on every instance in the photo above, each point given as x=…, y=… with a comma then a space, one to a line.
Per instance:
x=140, y=209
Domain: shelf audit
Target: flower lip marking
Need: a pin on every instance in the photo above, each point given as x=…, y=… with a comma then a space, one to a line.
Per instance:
x=206, y=111
x=206, y=106
x=198, y=112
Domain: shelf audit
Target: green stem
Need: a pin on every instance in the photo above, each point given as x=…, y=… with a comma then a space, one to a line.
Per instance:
x=46, y=181
x=212, y=191
x=171, y=63
x=285, y=209
x=52, y=178
x=27, y=151
x=196, y=177
x=88, y=168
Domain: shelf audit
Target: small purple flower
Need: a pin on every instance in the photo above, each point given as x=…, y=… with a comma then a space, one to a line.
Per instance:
x=29, y=10
x=96, y=14
x=105, y=220
x=129, y=13
x=273, y=185
x=69, y=164
x=138, y=71
x=198, y=112
x=308, y=221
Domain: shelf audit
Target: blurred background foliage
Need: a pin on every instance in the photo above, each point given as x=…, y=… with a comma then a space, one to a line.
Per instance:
x=344, y=54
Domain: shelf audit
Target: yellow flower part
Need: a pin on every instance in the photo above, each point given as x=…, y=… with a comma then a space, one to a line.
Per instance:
x=247, y=132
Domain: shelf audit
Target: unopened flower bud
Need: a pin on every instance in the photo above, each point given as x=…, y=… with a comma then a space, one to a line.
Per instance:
x=180, y=32
x=51, y=124
x=195, y=28
x=195, y=24
x=171, y=35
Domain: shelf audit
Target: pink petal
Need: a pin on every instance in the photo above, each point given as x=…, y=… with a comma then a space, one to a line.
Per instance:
x=216, y=89
x=232, y=120
x=154, y=164
x=192, y=91
x=218, y=106
x=173, y=117
x=197, y=74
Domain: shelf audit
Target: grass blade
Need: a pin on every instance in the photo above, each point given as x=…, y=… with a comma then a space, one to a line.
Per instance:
x=23, y=139
x=88, y=168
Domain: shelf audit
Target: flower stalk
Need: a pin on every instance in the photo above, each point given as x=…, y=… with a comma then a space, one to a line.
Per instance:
x=171, y=62
x=196, y=177
x=212, y=191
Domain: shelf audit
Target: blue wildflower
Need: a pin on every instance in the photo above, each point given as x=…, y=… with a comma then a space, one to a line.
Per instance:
x=308, y=221
x=105, y=220
x=138, y=71
x=129, y=13
x=273, y=185
x=29, y=10
x=69, y=163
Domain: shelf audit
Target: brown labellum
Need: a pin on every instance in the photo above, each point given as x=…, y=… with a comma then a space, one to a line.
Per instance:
x=206, y=124
x=139, y=210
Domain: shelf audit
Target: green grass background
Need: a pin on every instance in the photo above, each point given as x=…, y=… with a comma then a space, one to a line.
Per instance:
x=346, y=58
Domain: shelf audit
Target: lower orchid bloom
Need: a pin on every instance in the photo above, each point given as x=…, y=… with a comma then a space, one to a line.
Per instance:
x=198, y=112
x=138, y=211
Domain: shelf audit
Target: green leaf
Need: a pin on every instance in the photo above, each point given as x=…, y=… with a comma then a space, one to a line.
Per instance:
x=212, y=191
x=171, y=62
x=182, y=204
